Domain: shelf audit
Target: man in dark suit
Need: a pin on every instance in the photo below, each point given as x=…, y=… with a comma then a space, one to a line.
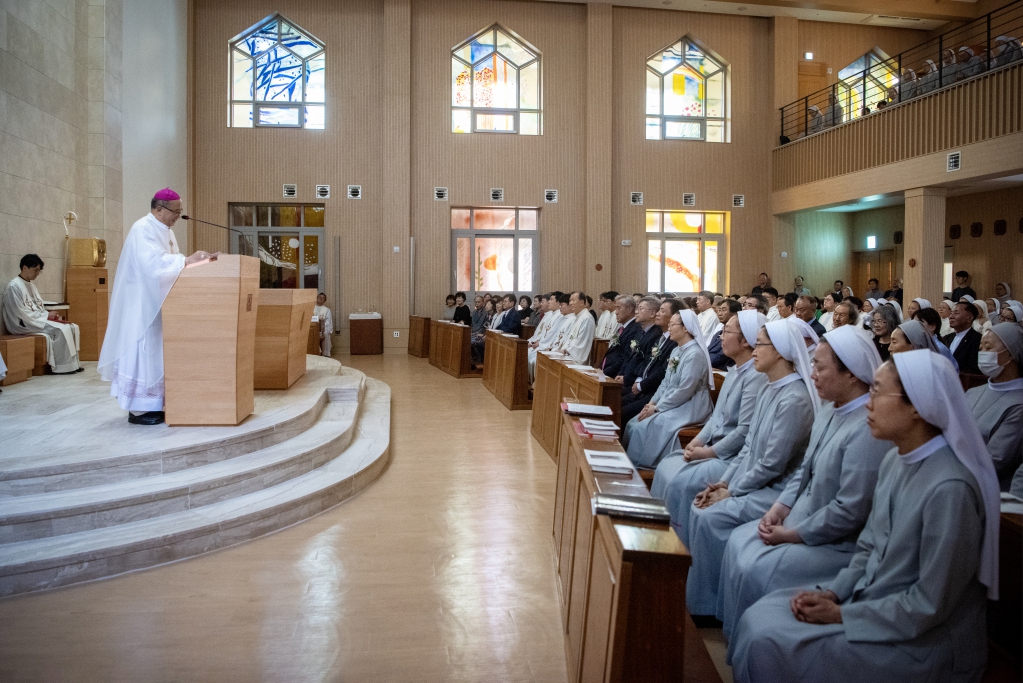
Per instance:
x=628, y=329
x=718, y=359
x=511, y=323
x=964, y=341
x=646, y=312
x=639, y=393
x=805, y=309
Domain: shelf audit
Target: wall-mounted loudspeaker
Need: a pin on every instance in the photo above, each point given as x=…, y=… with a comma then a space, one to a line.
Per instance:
x=897, y=237
x=1000, y=226
x=976, y=229
x=955, y=231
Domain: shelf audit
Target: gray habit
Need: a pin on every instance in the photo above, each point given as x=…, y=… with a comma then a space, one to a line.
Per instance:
x=676, y=481
x=830, y=499
x=683, y=398
x=774, y=449
x=913, y=608
x=999, y=415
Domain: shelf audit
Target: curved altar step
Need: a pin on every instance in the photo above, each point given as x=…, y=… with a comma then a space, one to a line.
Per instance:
x=338, y=456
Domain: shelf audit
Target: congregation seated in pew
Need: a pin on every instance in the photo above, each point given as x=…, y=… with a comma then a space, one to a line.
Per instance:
x=25, y=314
x=646, y=367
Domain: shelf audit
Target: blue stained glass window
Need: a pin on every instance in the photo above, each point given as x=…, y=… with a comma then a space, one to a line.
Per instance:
x=276, y=69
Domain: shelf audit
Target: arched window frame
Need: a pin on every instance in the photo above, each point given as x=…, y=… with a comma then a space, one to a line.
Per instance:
x=670, y=115
x=523, y=114
x=276, y=73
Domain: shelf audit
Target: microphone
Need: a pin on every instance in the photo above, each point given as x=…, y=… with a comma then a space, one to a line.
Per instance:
x=223, y=227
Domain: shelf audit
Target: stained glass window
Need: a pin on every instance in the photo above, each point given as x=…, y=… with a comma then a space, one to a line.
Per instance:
x=686, y=94
x=494, y=250
x=685, y=250
x=277, y=73
x=495, y=85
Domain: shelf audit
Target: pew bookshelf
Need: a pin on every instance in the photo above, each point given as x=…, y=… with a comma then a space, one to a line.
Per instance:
x=506, y=370
x=419, y=336
x=449, y=349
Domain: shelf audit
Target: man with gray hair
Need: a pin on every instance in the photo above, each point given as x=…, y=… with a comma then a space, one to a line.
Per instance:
x=706, y=314
x=626, y=330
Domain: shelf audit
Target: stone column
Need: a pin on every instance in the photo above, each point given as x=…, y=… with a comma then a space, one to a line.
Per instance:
x=924, y=244
x=783, y=267
x=598, y=148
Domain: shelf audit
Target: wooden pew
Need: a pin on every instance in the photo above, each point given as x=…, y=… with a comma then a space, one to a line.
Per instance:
x=554, y=382
x=598, y=350
x=312, y=345
x=506, y=370
x=19, y=356
x=449, y=349
x=622, y=583
x=419, y=336
x=527, y=331
x=1005, y=616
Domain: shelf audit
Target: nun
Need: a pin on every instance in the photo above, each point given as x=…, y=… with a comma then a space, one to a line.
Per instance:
x=810, y=532
x=1002, y=292
x=911, y=335
x=774, y=449
x=998, y=405
x=686, y=472
x=915, y=305
x=896, y=305
x=810, y=337
x=912, y=604
x=868, y=308
x=1012, y=312
x=683, y=397
x=928, y=80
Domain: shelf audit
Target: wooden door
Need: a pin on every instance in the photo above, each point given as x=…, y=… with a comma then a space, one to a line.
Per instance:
x=813, y=76
x=880, y=264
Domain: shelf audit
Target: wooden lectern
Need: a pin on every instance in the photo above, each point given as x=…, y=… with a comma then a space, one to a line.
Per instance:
x=282, y=337
x=88, y=293
x=209, y=339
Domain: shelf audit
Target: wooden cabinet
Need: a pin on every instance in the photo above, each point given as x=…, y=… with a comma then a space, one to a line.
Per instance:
x=622, y=583
x=282, y=336
x=506, y=370
x=88, y=295
x=418, y=336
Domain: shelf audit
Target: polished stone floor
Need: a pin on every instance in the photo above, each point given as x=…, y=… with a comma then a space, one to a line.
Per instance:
x=439, y=571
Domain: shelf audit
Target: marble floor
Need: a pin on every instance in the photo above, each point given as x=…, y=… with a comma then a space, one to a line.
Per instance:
x=439, y=571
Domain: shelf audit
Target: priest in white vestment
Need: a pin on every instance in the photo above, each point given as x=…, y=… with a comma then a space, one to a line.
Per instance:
x=132, y=355
x=326, y=320
x=707, y=315
x=607, y=323
x=24, y=314
x=578, y=340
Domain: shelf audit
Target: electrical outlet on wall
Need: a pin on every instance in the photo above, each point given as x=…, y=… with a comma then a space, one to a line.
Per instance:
x=397, y=333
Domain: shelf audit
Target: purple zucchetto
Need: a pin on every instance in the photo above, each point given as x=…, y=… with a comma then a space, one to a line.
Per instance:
x=166, y=195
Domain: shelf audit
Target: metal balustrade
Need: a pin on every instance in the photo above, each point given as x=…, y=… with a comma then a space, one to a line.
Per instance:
x=984, y=44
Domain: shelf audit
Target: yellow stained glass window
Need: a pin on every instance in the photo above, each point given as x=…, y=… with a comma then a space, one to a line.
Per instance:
x=686, y=94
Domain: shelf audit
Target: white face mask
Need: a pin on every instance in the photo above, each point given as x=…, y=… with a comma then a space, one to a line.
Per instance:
x=987, y=361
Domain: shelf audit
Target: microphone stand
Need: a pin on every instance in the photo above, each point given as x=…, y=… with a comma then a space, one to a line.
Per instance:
x=248, y=243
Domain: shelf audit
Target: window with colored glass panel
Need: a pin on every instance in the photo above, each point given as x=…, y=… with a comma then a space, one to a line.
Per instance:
x=494, y=250
x=277, y=74
x=686, y=94
x=682, y=257
x=495, y=85
x=286, y=238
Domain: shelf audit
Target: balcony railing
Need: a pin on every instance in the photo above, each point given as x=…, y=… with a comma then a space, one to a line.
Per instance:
x=986, y=43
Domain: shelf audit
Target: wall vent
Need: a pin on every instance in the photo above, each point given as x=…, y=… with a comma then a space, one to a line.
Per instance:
x=688, y=199
x=636, y=198
x=895, y=21
x=550, y=196
x=355, y=191
x=290, y=190
x=440, y=194
x=497, y=194
x=738, y=201
x=954, y=161
x=323, y=191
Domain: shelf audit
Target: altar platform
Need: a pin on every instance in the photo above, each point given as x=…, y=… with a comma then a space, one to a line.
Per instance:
x=86, y=495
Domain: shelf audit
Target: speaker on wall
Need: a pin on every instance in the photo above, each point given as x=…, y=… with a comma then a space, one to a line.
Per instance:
x=955, y=231
x=976, y=229
x=897, y=237
x=1000, y=227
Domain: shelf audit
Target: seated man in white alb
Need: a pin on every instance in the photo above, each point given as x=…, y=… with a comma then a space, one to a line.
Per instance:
x=326, y=321
x=607, y=323
x=24, y=314
x=912, y=603
x=577, y=341
x=546, y=337
x=3, y=369
x=707, y=314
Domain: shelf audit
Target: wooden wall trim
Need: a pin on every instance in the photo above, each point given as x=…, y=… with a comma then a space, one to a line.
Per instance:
x=599, y=82
x=983, y=108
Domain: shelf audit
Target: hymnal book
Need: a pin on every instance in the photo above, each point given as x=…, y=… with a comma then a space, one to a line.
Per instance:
x=609, y=462
x=585, y=409
x=599, y=425
x=578, y=366
x=631, y=507
x=583, y=434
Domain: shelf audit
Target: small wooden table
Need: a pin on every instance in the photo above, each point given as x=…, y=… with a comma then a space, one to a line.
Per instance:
x=622, y=582
x=419, y=336
x=449, y=349
x=366, y=334
x=282, y=337
x=506, y=370
x=554, y=382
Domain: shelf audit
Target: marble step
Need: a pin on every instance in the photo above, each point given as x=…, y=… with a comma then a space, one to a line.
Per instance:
x=169, y=449
x=24, y=518
x=56, y=561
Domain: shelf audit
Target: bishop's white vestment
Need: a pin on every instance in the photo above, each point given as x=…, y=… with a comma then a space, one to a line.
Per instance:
x=24, y=313
x=132, y=355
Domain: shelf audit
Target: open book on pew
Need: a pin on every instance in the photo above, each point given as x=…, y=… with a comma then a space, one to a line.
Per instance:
x=631, y=507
